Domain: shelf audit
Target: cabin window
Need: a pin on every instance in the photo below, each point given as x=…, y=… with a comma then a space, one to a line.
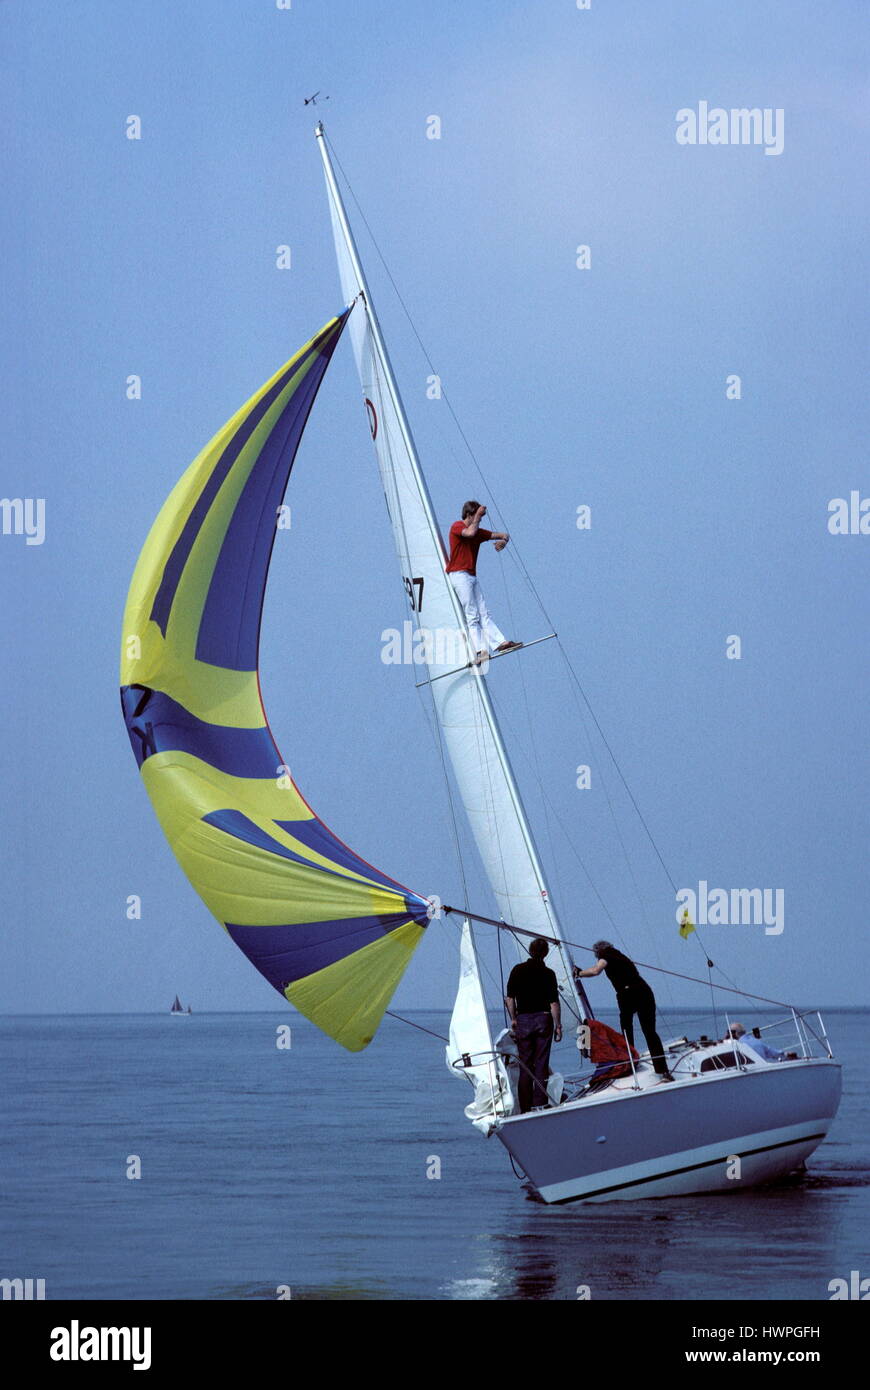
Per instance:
x=721, y=1061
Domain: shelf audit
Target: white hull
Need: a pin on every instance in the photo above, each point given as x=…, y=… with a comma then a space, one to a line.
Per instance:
x=673, y=1140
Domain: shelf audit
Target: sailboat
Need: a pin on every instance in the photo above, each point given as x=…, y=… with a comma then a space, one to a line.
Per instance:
x=178, y=1009
x=329, y=931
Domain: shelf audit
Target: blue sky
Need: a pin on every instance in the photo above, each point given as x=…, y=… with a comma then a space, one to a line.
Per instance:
x=604, y=387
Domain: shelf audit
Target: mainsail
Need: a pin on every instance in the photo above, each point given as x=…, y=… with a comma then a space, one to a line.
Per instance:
x=463, y=708
x=331, y=933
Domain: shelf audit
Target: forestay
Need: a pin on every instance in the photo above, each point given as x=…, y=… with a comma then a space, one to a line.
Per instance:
x=471, y=733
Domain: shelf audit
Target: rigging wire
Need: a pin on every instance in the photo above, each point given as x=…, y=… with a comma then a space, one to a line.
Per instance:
x=534, y=761
x=479, y=720
x=392, y=479
x=571, y=845
x=604, y=780
x=482, y=694
x=516, y=557
x=391, y=487
x=579, y=946
x=505, y=1014
x=576, y=680
x=619, y=835
x=411, y=1024
x=712, y=995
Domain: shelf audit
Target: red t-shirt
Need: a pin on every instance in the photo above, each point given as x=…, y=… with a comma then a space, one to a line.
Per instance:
x=463, y=549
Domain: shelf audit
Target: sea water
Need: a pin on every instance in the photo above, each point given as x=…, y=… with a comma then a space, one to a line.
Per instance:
x=153, y=1157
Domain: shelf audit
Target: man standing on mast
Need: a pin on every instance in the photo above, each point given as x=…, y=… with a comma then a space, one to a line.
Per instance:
x=466, y=538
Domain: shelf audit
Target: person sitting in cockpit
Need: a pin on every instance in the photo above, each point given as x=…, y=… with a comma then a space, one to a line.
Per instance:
x=754, y=1041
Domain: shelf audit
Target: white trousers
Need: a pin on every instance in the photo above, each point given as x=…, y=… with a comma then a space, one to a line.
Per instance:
x=484, y=634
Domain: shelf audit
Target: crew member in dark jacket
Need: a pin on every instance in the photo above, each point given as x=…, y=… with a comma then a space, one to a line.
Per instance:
x=633, y=995
x=536, y=1018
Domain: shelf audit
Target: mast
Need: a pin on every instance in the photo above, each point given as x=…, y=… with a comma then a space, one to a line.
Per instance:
x=577, y=995
x=378, y=336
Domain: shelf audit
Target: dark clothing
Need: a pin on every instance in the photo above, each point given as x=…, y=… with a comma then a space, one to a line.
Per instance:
x=534, y=1036
x=639, y=999
x=533, y=985
x=634, y=996
x=620, y=971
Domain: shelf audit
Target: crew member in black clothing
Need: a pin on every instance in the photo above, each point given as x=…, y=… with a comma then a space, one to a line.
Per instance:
x=633, y=995
x=536, y=1018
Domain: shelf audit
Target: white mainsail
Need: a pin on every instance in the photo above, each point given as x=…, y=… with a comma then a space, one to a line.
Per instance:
x=484, y=777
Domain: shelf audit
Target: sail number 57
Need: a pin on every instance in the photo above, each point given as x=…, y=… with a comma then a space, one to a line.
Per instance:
x=414, y=589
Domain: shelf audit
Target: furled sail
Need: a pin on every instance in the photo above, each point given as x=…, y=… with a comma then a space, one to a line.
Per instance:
x=331, y=933
x=471, y=733
x=469, y=1050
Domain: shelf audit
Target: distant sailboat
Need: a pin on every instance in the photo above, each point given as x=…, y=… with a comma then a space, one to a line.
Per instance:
x=333, y=934
x=177, y=1007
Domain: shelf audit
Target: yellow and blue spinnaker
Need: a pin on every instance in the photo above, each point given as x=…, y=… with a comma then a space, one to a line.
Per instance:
x=331, y=933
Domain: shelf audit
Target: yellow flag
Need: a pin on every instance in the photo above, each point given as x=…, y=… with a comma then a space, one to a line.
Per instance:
x=687, y=926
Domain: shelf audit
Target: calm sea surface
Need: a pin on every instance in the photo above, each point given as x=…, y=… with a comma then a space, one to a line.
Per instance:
x=308, y=1168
